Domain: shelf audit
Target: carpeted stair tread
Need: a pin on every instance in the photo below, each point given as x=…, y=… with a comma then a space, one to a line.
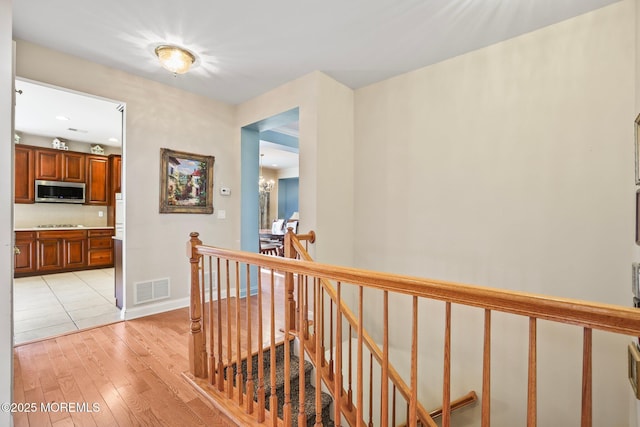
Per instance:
x=294, y=382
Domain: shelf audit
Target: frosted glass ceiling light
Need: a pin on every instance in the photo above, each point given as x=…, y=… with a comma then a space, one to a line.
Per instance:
x=175, y=59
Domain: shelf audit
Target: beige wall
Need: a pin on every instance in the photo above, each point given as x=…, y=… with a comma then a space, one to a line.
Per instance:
x=156, y=116
x=6, y=203
x=509, y=167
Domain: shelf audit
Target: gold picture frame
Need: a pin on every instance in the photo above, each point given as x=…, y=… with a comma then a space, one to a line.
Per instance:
x=637, y=148
x=186, y=182
x=633, y=356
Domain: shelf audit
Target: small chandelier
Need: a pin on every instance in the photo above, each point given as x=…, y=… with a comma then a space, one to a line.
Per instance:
x=174, y=58
x=264, y=186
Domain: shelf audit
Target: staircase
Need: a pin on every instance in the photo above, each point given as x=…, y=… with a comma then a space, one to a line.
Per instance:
x=309, y=392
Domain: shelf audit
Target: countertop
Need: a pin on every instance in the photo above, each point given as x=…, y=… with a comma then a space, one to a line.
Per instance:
x=63, y=228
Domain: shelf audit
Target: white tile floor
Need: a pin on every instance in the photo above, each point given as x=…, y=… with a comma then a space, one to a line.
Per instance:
x=44, y=306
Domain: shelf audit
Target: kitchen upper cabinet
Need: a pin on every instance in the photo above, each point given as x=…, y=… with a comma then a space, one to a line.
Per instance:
x=115, y=170
x=24, y=175
x=48, y=164
x=73, y=167
x=56, y=165
x=97, y=189
x=115, y=167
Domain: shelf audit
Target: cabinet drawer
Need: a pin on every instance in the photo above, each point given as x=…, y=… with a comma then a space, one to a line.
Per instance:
x=100, y=257
x=62, y=234
x=25, y=235
x=101, y=232
x=100, y=243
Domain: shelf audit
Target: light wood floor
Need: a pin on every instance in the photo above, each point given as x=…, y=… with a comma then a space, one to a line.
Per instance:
x=131, y=370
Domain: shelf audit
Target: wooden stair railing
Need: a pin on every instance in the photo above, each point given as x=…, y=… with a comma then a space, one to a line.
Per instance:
x=388, y=373
x=209, y=362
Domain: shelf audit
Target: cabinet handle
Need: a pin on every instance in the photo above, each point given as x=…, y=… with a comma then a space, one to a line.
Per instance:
x=16, y=250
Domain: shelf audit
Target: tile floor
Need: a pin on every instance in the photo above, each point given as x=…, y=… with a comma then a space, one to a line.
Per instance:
x=55, y=304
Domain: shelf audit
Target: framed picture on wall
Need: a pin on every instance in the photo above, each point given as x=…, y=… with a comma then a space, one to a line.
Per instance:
x=637, y=146
x=186, y=182
x=638, y=217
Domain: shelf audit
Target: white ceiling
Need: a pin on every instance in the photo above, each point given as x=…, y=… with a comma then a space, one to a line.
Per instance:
x=90, y=119
x=246, y=48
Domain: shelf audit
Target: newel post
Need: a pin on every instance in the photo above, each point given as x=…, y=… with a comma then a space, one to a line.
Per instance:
x=197, y=347
x=288, y=280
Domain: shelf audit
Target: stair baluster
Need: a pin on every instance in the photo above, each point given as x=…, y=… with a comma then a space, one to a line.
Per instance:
x=446, y=381
x=302, y=416
x=261, y=391
x=273, y=398
x=384, y=405
x=229, y=354
x=249, y=384
x=239, y=380
x=338, y=376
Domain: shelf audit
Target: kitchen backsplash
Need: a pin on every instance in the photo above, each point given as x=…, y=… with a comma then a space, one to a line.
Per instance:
x=31, y=215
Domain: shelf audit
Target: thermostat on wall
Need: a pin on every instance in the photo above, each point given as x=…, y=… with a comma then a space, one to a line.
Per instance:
x=225, y=191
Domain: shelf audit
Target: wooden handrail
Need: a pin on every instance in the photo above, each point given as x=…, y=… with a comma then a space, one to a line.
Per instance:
x=606, y=317
x=298, y=263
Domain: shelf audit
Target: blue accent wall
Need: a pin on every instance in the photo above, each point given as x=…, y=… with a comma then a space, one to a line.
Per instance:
x=288, y=189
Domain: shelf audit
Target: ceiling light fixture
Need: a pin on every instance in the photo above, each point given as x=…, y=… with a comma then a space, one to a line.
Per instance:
x=174, y=58
x=65, y=118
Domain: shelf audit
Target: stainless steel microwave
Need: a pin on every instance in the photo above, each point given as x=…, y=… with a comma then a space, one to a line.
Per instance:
x=60, y=192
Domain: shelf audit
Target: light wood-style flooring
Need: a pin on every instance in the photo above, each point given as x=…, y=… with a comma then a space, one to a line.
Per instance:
x=132, y=370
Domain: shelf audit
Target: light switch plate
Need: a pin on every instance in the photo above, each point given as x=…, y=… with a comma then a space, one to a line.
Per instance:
x=222, y=214
x=225, y=191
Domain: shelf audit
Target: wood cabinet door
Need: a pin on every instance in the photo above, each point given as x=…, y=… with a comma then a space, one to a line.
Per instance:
x=24, y=186
x=48, y=165
x=97, y=172
x=49, y=254
x=116, y=173
x=74, y=253
x=25, y=257
x=73, y=166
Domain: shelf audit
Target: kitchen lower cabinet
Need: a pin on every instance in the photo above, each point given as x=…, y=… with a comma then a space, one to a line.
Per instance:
x=100, y=248
x=25, y=252
x=55, y=251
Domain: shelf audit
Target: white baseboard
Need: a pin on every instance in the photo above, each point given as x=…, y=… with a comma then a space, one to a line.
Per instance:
x=159, y=307
x=162, y=306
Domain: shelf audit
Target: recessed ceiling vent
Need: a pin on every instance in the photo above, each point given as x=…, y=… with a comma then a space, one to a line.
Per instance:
x=151, y=290
x=78, y=130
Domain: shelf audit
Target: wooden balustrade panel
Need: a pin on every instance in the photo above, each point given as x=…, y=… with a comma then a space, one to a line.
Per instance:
x=586, y=315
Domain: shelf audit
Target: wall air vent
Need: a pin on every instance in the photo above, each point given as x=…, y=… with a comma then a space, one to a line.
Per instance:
x=151, y=290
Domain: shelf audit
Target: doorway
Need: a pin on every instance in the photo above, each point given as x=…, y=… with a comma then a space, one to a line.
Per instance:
x=277, y=138
x=64, y=266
